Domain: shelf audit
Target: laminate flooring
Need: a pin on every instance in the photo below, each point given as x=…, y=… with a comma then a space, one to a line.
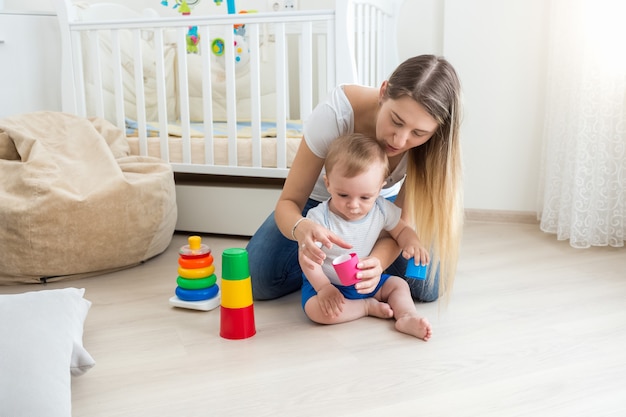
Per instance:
x=533, y=327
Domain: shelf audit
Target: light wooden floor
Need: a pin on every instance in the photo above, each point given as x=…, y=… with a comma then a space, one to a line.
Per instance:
x=533, y=328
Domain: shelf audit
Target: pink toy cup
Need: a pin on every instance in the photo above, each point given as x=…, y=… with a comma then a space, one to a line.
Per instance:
x=345, y=266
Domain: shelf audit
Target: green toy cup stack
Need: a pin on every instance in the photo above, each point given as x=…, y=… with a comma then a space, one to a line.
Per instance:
x=237, y=307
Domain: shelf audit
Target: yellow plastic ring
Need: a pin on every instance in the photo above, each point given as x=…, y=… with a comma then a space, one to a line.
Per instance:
x=197, y=272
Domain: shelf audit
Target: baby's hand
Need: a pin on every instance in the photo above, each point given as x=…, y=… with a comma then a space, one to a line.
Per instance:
x=418, y=252
x=331, y=300
x=312, y=237
x=369, y=273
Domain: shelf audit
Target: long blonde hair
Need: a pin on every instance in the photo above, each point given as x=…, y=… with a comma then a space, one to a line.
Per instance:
x=433, y=184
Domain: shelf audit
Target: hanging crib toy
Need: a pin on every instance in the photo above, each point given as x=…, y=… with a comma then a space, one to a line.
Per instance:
x=242, y=52
x=184, y=8
x=240, y=42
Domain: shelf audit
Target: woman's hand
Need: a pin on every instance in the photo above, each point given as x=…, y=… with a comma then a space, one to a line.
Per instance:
x=311, y=237
x=369, y=273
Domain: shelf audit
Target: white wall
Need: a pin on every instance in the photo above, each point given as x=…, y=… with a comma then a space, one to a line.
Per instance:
x=498, y=48
x=420, y=28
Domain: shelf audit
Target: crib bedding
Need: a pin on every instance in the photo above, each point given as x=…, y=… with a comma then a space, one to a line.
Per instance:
x=220, y=129
x=220, y=142
x=269, y=150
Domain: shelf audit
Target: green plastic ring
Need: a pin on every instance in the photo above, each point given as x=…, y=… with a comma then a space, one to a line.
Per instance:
x=196, y=284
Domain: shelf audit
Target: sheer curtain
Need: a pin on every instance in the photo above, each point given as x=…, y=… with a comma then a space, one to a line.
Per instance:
x=583, y=180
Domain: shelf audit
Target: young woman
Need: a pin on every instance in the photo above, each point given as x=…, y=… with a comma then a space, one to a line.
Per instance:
x=416, y=113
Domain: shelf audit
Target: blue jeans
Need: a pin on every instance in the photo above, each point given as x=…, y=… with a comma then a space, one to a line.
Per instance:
x=275, y=271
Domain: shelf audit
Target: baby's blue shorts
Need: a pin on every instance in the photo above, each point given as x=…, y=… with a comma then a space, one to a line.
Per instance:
x=348, y=291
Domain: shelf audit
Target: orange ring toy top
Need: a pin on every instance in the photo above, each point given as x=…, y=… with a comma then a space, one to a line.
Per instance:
x=196, y=262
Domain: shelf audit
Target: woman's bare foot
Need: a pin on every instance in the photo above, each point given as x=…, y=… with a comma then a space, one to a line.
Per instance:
x=378, y=309
x=415, y=326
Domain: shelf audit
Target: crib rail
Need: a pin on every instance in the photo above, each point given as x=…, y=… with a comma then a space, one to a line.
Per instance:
x=141, y=68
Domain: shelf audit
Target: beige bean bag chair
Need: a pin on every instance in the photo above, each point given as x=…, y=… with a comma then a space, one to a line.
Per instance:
x=73, y=202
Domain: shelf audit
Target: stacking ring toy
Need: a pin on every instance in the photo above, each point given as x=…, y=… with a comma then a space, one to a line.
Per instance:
x=195, y=248
x=196, y=262
x=196, y=273
x=196, y=284
x=197, y=295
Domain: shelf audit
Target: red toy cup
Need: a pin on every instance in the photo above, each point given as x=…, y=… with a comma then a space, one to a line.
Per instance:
x=345, y=266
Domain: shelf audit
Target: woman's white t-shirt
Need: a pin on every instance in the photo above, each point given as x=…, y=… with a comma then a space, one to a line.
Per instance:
x=333, y=118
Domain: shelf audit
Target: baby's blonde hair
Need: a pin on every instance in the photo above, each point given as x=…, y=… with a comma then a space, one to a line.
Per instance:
x=356, y=153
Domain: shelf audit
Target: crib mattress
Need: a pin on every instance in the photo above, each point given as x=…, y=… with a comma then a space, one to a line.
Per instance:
x=220, y=143
x=220, y=150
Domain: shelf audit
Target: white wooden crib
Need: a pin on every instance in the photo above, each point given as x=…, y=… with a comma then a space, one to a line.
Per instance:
x=228, y=119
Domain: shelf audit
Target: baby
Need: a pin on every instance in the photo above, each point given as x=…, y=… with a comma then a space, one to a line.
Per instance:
x=356, y=167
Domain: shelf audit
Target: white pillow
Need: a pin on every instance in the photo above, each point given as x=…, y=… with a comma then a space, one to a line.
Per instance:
x=41, y=346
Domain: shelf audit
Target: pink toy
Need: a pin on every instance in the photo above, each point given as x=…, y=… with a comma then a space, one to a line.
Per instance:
x=345, y=266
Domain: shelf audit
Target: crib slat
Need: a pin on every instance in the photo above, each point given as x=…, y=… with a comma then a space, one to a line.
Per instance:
x=366, y=39
x=331, y=54
x=306, y=70
x=79, y=74
x=183, y=95
x=118, y=85
x=231, y=109
x=161, y=95
x=252, y=31
x=281, y=95
x=370, y=54
x=96, y=73
x=358, y=13
x=140, y=94
x=379, y=75
x=207, y=102
x=344, y=54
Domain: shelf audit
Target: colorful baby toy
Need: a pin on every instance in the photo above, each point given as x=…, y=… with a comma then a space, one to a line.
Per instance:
x=197, y=283
x=237, y=308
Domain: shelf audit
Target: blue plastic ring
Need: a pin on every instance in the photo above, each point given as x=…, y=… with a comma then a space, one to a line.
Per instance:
x=197, y=295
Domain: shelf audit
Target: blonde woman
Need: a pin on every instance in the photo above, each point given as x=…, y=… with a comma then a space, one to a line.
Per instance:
x=416, y=113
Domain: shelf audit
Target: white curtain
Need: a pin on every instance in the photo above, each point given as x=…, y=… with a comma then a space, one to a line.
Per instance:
x=583, y=180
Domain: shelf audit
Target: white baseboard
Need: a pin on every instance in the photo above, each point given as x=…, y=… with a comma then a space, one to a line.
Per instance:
x=224, y=208
x=501, y=216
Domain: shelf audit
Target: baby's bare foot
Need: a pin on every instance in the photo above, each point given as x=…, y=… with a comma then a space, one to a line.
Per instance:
x=415, y=326
x=379, y=309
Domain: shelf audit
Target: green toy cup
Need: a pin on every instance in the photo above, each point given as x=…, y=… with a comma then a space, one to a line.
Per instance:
x=235, y=264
